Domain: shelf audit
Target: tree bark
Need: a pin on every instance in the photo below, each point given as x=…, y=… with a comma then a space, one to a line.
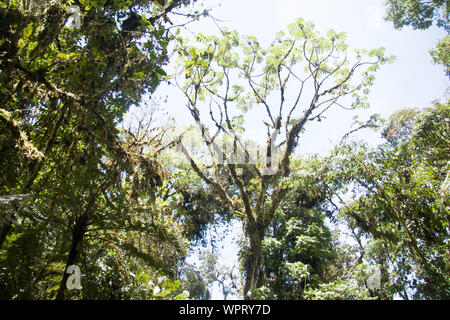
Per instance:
x=4, y=232
x=7, y=226
x=77, y=236
x=252, y=261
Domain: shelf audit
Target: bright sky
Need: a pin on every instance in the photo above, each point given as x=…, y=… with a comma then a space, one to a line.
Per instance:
x=411, y=81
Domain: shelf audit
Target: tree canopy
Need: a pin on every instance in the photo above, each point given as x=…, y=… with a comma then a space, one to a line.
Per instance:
x=101, y=198
x=65, y=92
x=403, y=202
x=296, y=60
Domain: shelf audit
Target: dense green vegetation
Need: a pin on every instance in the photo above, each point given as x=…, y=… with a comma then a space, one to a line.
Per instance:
x=126, y=200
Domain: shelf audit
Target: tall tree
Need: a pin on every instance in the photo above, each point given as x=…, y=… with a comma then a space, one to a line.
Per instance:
x=90, y=212
x=53, y=75
x=301, y=70
x=65, y=89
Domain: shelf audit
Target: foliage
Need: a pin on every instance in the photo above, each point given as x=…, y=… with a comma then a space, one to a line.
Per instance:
x=236, y=73
x=441, y=54
x=82, y=184
x=401, y=200
x=299, y=249
x=418, y=13
x=303, y=258
x=93, y=186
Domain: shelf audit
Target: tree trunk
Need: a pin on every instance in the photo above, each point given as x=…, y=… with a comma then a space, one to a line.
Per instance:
x=252, y=261
x=4, y=232
x=77, y=236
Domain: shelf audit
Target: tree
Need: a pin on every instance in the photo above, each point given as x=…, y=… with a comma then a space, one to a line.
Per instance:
x=418, y=14
x=236, y=73
x=301, y=252
x=65, y=90
x=88, y=77
x=90, y=212
x=401, y=200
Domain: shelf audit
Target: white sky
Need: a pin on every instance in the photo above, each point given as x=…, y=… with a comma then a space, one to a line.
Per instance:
x=411, y=81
